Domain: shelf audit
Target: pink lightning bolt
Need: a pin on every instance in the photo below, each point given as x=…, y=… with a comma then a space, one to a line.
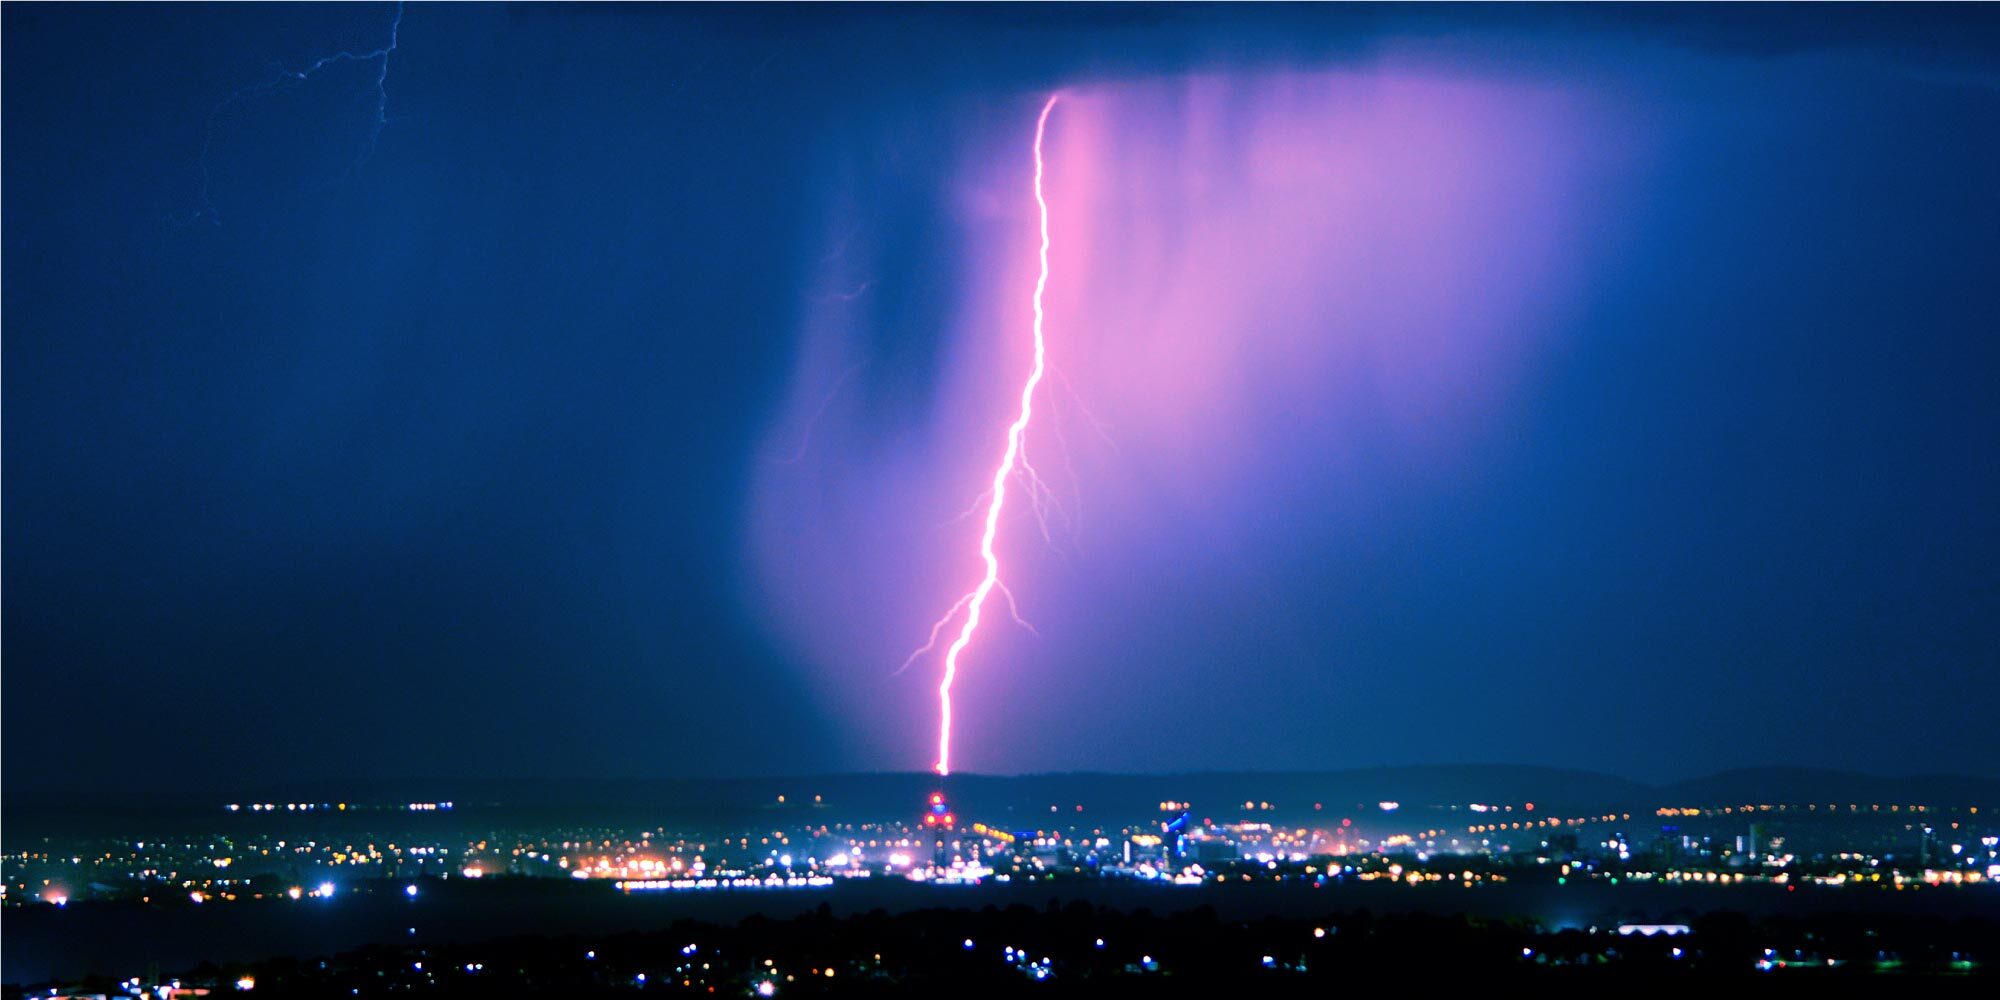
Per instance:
x=976, y=601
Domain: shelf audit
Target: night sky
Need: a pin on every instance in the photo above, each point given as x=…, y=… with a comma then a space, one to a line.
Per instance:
x=1610, y=388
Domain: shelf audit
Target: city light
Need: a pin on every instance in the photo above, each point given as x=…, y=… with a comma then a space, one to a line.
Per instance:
x=1712, y=848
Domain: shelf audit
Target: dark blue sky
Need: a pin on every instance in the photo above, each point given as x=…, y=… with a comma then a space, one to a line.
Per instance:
x=430, y=452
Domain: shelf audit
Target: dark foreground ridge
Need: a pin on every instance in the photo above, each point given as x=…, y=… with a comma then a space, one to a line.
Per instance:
x=1081, y=950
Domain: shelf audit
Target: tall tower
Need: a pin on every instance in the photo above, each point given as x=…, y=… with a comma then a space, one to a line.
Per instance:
x=1171, y=834
x=940, y=821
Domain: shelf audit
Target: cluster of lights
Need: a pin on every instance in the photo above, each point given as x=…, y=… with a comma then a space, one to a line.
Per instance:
x=333, y=806
x=990, y=832
x=1933, y=877
x=172, y=988
x=1852, y=807
x=746, y=882
x=635, y=867
x=1033, y=969
x=1650, y=930
x=940, y=814
x=1253, y=842
x=1543, y=823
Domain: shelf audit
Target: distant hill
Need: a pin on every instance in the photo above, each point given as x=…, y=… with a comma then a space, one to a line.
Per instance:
x=1028, y=800
x=1797, y=784
x=1022, y=797
x=894, y=794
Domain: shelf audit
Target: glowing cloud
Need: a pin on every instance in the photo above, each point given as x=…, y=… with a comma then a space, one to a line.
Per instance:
x=1273, y=315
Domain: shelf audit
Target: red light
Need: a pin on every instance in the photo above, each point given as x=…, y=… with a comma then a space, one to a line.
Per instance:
x=949, y=819
x=937, y=800
x=930, y=820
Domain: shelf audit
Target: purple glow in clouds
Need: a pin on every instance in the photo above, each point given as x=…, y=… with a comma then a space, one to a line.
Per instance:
x=1271, y=289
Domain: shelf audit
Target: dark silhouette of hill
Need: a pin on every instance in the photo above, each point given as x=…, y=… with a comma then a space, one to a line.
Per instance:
x=1030, y=798
x=1033, y=799
x=1800, y=784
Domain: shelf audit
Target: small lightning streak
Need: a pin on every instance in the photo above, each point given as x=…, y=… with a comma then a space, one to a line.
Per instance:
x=937, y=627
x=1014, y=611
x=1042, y=500
x=294, y=77
x=975, y=602
x=805, y=436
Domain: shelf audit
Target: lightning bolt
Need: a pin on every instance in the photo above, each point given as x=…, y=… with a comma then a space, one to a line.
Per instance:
x=290, y=78
x=975, y=602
